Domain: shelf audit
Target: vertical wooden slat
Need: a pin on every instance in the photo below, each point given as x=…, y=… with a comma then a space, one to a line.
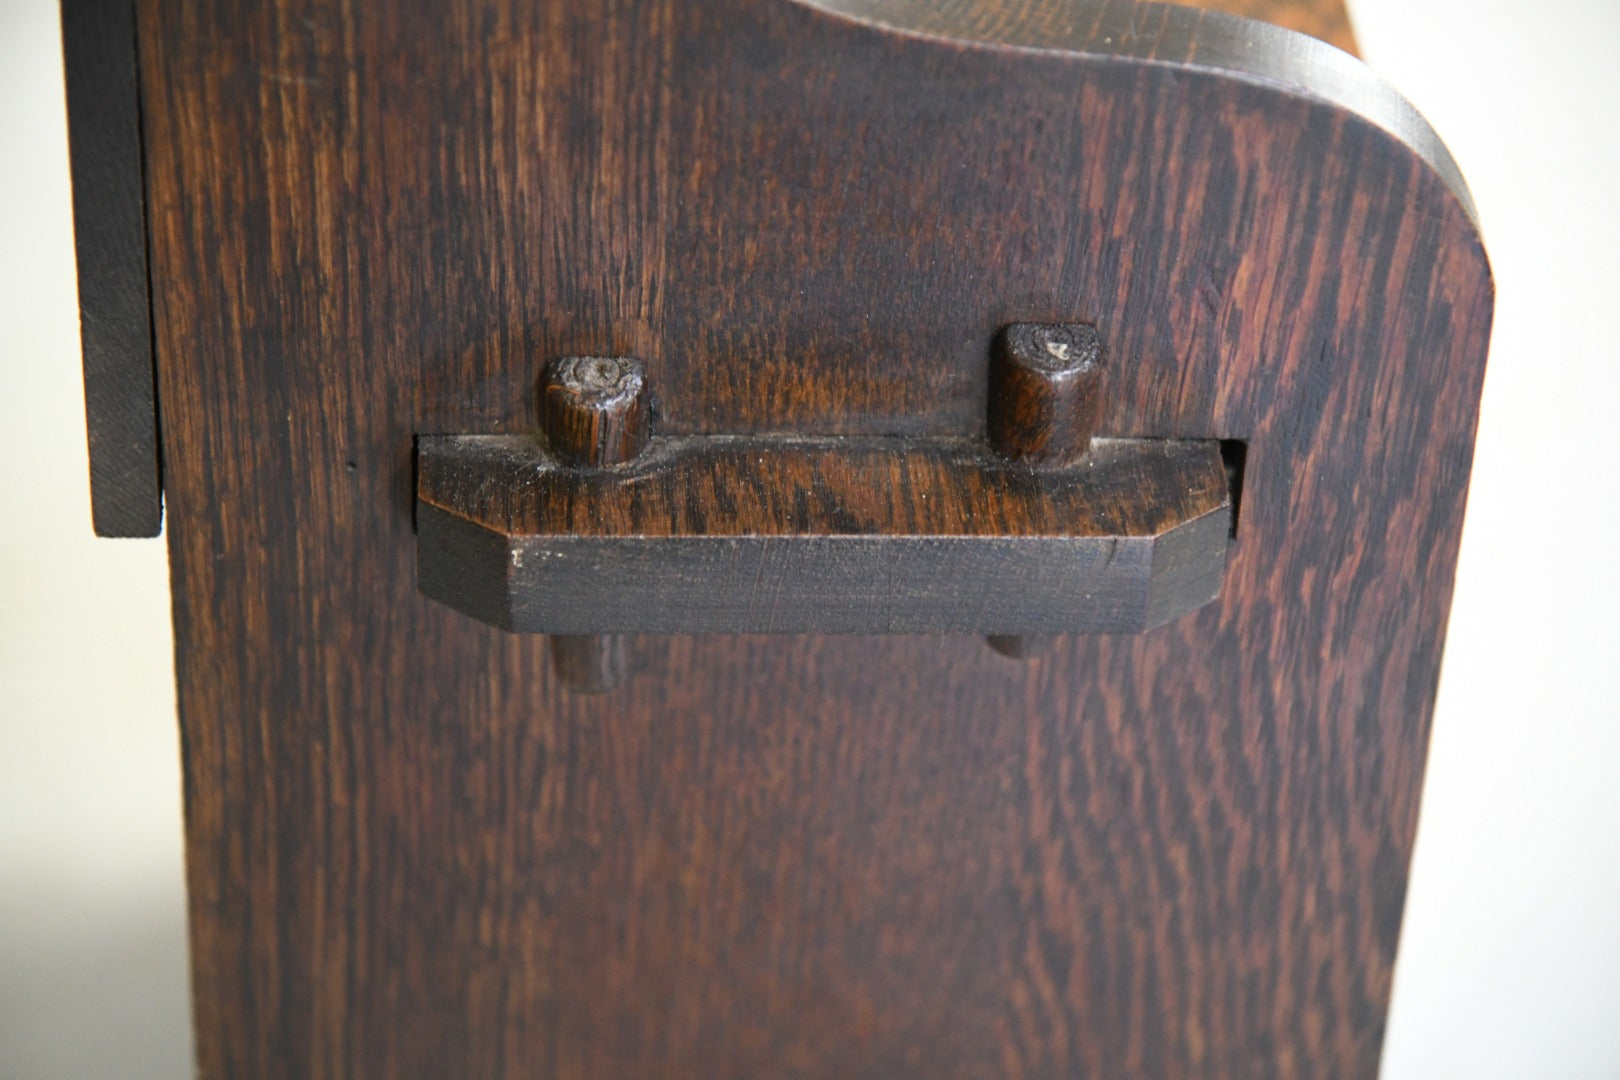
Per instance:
x=109, y=220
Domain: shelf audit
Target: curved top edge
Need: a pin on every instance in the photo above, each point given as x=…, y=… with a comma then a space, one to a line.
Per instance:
x=1182, y=37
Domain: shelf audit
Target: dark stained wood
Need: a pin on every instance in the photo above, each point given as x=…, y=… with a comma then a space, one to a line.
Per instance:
x=591, y=663
x=413, y=854
x=849, y=536
x=595, y=409
x=109, y=224
x=1045, y=400
x=1045, y=393
x=596, y=412
x=1021, y=646
x=1327, y=20
x=768, y=486
x=121, y=405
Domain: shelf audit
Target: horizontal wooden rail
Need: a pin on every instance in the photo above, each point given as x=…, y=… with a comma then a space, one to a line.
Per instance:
x=861, y=536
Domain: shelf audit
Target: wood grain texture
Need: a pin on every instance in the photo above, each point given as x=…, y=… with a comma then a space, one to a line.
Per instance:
x=109, y=226
x=411, y=854
x=1045, y=397
x=849, y=536
x=1053, y=20
x=591, y=663
x=1326, y=20
x=1046, y=393
x=595, y=410
x=850, y=486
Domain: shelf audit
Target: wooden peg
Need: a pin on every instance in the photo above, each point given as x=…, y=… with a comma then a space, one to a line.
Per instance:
x=1045, y=392
x=595, y=414
x=1022, y=646
x=594, y=409
x=1045, y=399
x=590, y=663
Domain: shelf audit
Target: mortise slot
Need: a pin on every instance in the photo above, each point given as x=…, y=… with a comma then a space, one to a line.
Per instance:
x=1235, y=455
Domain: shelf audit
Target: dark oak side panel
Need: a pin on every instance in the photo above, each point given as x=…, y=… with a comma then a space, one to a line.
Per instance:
x=109, y=225
x=412, y=854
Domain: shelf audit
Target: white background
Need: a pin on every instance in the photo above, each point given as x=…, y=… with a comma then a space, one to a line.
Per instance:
x=1510, y=959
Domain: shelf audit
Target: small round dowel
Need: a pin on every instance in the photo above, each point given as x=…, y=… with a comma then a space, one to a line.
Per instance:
x=1022, y=646
x=1045, y=398
x=1045, y=392
x=594, y=409
x=590, y=663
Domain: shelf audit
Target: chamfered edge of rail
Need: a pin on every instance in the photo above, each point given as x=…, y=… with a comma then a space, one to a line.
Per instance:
x=1120, y=546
